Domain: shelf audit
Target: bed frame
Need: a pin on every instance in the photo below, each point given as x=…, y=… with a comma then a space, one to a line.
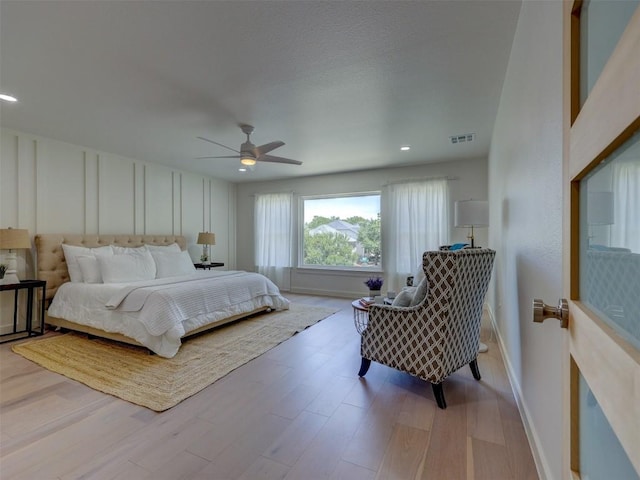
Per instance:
x=52, y=267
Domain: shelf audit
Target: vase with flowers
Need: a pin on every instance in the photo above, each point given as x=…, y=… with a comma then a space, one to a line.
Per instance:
x=375, y=285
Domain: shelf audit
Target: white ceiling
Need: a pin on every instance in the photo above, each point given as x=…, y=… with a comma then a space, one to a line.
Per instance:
x=343, y=83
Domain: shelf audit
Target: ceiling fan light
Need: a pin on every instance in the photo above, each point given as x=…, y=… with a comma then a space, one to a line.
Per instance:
x=248, y=161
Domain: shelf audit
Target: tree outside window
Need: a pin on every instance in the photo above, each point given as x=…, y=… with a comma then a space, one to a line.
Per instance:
x=342, y=231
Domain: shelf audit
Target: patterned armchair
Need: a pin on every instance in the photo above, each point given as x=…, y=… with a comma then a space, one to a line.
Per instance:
x=436, y=337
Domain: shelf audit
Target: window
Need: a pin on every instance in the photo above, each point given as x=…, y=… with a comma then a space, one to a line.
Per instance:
x=341, y=231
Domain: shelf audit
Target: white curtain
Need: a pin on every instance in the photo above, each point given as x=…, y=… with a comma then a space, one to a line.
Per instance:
x=625, y=231
x=418, y=219
x=273, y=232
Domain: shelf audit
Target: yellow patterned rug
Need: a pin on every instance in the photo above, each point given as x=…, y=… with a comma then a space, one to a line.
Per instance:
x=132, y=374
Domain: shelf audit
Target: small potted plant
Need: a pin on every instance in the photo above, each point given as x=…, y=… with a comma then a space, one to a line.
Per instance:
x=375, y=285
x=3, y=270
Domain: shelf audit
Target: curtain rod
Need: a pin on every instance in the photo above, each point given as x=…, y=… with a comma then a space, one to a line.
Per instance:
x=422, y=179
x=271, y=193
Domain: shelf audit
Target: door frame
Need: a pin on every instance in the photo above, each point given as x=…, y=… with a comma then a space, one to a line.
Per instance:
x=607, y=119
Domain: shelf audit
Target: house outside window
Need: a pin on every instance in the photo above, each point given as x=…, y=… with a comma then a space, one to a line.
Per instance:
x=341, y=231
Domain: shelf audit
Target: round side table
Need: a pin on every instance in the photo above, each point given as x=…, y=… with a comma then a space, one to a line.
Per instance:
x=360, y=315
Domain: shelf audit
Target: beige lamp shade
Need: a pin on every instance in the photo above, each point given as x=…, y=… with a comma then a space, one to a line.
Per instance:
x=14, y=238
x=206, y=238
x=471, y=213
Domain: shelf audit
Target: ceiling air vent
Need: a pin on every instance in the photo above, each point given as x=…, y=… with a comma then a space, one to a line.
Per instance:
x=467, y=137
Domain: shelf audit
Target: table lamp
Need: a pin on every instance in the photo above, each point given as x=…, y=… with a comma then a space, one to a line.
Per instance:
x=11, y=239
x=205, y=239
x=471, y=213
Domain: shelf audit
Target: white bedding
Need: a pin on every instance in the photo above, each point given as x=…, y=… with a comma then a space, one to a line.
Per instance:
x=158, y=313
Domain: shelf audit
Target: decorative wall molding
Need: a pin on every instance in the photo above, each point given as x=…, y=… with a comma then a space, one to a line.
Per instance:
x=49, y=186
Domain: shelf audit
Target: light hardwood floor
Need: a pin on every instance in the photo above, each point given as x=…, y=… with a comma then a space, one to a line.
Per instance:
x=298, y=412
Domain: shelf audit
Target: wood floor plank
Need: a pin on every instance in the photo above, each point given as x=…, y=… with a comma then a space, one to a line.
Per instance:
x=299, y=412
x=370, y=442
x=349, y=471
x=74, y=445
x=26, y=387
x=404, y=458
x=162, y=441
x=322, y=456
x=291, y=444
x=232, y=462
x=417, y=411
x=490, y=461
x=447, y=453
x=130, y=471
x=518, y=451
x=483, y=415
x=329, y=400
x=292, y=405
x=263, y=469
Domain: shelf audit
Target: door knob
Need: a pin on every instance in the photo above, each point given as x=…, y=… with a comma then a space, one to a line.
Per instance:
x=542, y=312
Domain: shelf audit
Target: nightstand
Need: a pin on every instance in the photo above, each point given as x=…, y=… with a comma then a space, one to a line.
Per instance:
x=30, y=286
x=208, y=266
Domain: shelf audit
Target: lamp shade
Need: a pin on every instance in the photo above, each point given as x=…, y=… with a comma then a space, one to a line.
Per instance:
x=206, y=238
x=600, y=208
x=14, y=238
x=471, y=213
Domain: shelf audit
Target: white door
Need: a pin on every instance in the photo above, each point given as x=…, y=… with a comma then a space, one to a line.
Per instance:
x=602, y=239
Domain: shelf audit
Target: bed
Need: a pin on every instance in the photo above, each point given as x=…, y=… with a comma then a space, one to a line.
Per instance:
x=156, y=313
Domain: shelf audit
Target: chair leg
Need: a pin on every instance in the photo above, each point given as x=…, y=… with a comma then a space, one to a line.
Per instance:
x=364, y=367
x=438, y=392
x=474, y=369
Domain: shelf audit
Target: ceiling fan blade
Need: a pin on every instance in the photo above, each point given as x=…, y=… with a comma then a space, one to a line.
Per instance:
x=267, y=147
x=274, y=159
x=219, y=144
x=225, y=156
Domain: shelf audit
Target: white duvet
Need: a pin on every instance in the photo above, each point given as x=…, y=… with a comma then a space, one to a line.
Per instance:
x=158, y=313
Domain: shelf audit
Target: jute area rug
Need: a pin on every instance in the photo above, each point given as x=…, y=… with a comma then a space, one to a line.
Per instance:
x=132, y=374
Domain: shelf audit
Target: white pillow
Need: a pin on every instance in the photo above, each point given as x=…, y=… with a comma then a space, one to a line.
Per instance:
x=403, y=299
x=118, y=250
x=421, y=292
x=125, y=268
x=90, y=269
x=71, y=254
x=171, y=264
x=174, y=247
x=419, y=275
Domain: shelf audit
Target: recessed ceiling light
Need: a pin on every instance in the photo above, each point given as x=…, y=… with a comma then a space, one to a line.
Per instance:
x=242, y=169
x=7, y=98
x=404, y=148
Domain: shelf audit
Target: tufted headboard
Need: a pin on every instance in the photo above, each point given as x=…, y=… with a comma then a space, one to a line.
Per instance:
x=51, y=265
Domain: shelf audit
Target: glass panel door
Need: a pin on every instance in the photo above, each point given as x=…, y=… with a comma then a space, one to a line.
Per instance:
x=602, y=249
x=610, y=241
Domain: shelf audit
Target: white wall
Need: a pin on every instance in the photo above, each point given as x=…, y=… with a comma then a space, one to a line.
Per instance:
x=525, y=194
x=471, y=182
x=48, y=186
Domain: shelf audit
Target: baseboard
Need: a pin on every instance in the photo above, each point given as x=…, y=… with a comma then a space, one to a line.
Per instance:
x=328, y=293
x=542, y=466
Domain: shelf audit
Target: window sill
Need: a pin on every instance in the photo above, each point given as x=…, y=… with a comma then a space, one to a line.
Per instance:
x=346, y=271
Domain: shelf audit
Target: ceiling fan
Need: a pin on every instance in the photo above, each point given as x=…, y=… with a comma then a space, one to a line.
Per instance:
x=249, y=154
